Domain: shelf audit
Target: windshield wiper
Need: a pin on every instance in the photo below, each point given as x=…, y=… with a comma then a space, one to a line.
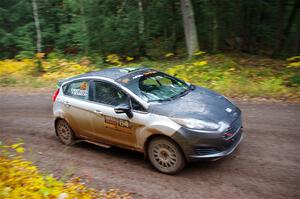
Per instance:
x=160, y=100
x=183, y=93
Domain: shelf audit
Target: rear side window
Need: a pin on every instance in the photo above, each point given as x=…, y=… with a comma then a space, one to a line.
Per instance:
x=78, y=89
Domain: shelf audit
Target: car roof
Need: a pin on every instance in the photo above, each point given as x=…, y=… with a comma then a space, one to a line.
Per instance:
x=111, y=73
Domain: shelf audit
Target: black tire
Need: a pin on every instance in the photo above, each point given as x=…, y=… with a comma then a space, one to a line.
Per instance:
x=64, y=132
x=165, y=155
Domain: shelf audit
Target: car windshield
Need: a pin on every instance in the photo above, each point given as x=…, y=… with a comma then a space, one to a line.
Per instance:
x=155, y=86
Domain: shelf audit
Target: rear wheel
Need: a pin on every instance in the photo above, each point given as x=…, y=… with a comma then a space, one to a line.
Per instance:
x=64, y=132
x=165, y=155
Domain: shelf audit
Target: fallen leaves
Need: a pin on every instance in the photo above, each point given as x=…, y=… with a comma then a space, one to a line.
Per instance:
x=21, y=179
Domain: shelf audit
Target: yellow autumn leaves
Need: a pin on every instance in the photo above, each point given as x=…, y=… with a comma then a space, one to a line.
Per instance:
x=18, y=147
x=187, y=71
x=196, y=54
x=294, y=62
x=21, y=179
x=24, y=71
x=115, y=59
x=13, y=67
x=52, y=69
x=60, y=68
x=6, y=150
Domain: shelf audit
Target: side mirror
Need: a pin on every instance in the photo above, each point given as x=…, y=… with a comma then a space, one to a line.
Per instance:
x=124, y=108
x=192, y=87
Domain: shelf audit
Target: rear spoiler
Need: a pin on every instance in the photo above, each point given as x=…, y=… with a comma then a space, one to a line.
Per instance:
x=61, y=81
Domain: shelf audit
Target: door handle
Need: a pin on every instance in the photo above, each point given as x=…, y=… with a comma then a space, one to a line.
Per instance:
x=67, y=104
x=97, y=112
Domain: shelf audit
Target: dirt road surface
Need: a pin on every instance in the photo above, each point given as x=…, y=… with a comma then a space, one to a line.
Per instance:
x=265, y=165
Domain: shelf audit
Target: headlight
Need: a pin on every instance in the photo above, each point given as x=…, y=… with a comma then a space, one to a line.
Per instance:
x=197, y=124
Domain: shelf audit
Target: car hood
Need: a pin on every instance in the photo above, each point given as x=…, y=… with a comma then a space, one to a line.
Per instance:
x=200, y=103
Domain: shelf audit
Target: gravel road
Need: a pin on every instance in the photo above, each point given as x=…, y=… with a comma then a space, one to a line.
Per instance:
x=265, y=165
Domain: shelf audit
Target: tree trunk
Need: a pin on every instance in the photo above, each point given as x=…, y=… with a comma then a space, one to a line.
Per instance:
x=214, y=27
x=191, y=37
x=291, y=18
x=287, y=29
x=250, y=21
x=37, y=26
x=119, y=12
x=174, y=25
x=280, y=27
x=142, y=49
x=85, y=40
x=298, y=35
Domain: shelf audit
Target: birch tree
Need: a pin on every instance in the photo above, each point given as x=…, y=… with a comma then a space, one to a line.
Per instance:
x=37, y=26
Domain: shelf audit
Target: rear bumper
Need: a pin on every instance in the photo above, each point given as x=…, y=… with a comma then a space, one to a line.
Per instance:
x=199, y=146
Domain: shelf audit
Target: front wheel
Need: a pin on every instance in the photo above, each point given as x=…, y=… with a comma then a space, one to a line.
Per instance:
x=64, y=132
x=165, y=155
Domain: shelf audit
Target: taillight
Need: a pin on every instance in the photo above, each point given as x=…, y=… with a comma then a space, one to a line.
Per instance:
x=55, y=95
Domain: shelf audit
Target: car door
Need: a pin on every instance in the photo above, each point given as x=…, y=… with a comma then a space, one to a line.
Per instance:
x=109, y=126
x=77, y=108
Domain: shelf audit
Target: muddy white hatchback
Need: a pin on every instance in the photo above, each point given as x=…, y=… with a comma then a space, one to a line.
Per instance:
x=172, y=122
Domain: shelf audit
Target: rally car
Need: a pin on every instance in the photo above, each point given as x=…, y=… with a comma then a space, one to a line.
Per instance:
x=169, y=120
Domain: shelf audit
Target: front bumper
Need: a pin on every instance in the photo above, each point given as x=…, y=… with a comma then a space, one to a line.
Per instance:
x=219, y=154
x=198, y=145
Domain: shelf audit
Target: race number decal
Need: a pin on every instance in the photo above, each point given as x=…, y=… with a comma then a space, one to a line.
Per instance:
x=124, y=123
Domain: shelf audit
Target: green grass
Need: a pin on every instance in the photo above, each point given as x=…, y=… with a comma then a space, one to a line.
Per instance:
x=26, y=81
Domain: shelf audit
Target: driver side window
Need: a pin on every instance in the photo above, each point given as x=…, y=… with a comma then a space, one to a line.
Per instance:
x=109, y=94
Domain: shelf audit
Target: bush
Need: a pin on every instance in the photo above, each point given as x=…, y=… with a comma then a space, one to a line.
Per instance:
x=21, y=179
x=232, y=76
x=226, y=76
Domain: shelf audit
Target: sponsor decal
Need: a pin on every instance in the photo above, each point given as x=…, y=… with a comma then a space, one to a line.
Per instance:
x=116, y=123
x=79, y=92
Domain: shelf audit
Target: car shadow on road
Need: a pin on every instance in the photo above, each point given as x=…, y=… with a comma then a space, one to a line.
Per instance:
x=137, y=159
x=113, y=152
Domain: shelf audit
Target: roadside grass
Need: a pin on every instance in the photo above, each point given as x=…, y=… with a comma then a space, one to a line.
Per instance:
x=234, y=75
x=22, y=179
